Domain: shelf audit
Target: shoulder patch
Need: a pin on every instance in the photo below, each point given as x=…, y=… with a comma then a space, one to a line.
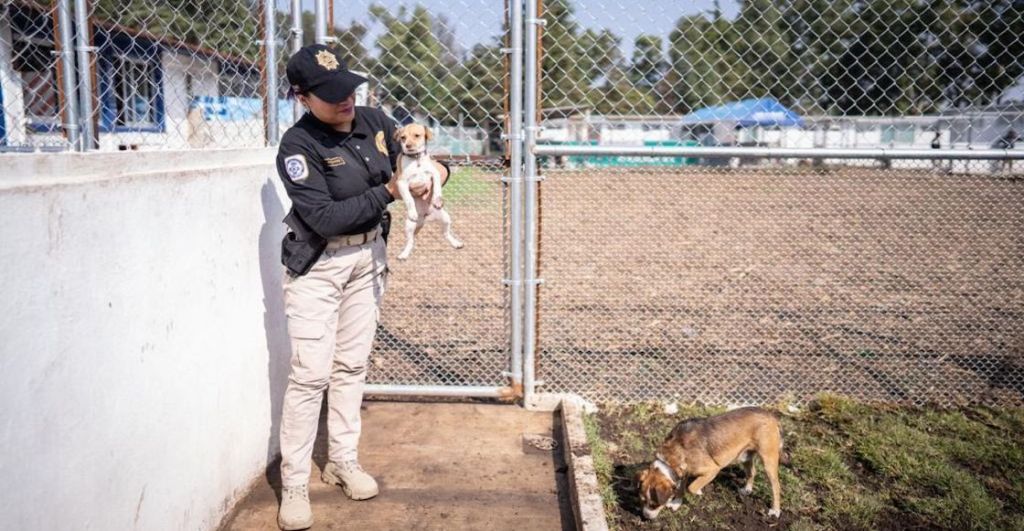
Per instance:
x=296, y=167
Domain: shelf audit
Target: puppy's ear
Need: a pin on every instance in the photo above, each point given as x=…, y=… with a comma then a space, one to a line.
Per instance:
x=398, y=134
x=427, y=134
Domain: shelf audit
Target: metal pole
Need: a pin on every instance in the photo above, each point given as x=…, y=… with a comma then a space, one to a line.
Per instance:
x=320, y=28
x=88, y=135
x=438, y=390
x=270, y=43
x=778, y=153
x=515, y=134
x=530, y=162
x=297, y=36
x=67, y=68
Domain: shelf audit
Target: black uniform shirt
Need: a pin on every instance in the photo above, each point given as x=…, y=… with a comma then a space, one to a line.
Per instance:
x=336, y=180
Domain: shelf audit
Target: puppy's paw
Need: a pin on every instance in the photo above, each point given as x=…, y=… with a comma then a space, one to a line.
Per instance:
x=699, y=492
x=438, y=203
x=413, y=215
x=404, y=256
x=775, y=513
x=458, y=245
x=674, y=504
x=746, y=491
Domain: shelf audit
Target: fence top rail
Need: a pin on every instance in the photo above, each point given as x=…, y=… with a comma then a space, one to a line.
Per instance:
x=780, y=153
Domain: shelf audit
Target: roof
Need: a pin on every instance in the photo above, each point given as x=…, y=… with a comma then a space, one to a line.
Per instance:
x=746, y=113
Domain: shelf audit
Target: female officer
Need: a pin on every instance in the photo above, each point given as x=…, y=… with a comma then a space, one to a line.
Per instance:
x=336, y=163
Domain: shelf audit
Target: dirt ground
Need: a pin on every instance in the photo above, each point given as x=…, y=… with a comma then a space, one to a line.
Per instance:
x=728, y=286
x=750, y=285
x=440, y=466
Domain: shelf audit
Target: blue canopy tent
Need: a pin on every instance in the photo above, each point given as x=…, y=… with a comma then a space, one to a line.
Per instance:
x=763, y=112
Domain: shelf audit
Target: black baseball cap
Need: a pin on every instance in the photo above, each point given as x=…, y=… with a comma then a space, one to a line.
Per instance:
x=320, y=70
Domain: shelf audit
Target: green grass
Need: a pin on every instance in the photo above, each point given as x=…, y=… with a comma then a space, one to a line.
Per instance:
x=853, y=466
x=603, y=466
x=469, y=185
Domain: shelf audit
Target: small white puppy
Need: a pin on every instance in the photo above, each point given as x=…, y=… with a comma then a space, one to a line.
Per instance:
x=416, y=166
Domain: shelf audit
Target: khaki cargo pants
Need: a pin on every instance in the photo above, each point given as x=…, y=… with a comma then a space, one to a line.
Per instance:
x=332, y=319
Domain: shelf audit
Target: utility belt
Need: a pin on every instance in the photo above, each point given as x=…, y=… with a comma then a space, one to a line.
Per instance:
x=338, y=242
x=302, y=247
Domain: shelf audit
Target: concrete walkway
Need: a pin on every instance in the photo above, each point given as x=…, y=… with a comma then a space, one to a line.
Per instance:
x=440, y=466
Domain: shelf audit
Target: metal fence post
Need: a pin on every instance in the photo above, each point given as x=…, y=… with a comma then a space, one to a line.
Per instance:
x=515, y=134
x=297, y=36
x=85, y=92
x=320, y=27
x=270, y=49
x=530, y=161
x=67, y=69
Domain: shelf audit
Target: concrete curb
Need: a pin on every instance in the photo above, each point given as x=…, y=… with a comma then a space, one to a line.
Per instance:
x=583, y=488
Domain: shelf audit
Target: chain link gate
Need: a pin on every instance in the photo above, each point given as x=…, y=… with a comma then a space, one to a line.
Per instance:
x=447, y=320
x=744, y=204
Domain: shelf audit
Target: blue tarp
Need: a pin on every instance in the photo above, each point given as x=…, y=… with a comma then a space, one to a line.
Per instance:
x=764, y=112
x=231, y=109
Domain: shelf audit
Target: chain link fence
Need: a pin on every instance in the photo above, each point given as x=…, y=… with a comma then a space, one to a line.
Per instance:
x=783, y=73
x=141, y=75
x=705, y=276
x=750, y=279
x=446, y=319
x=192, y=74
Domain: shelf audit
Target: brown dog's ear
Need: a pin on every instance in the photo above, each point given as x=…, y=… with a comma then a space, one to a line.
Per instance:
x=662, y=494
x=427, y=134
x=398, y=134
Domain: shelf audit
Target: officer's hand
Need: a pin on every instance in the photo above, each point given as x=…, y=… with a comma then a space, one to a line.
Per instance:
x=392, y=188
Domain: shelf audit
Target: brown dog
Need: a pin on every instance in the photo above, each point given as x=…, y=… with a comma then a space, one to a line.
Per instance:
x=702, y=447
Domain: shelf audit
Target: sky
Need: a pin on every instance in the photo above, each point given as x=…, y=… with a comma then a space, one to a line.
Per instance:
x=478, y=21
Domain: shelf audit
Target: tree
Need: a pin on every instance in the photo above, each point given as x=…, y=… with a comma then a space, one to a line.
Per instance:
x=648, y=65
x=763, y=45
x=410, y=68
x=705, y=67
x=225, y=27
x=576, y=62
x=481, y=82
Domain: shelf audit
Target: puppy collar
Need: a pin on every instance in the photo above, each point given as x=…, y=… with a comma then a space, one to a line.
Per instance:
x=665, y=468
x=419, y=153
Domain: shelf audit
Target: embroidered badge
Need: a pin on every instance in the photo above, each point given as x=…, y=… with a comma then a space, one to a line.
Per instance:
x=381, y=146
x=296, y=167
x=327, y=60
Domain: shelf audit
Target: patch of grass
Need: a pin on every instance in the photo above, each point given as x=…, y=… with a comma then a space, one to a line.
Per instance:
x=470, y=185
x=603, y=466
x=853, y=466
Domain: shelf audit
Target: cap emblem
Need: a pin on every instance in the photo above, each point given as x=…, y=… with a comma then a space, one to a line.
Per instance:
x=327, y=60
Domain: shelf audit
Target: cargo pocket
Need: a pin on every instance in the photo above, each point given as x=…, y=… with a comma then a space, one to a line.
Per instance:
x=309, y=350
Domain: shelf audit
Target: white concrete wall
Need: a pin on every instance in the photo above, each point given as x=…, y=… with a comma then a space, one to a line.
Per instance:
x=143, y=351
